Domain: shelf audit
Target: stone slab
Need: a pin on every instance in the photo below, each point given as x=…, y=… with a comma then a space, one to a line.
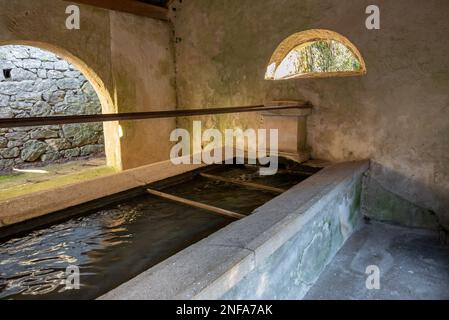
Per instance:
x=214, y=266
x=40, y=203
x=413, y=265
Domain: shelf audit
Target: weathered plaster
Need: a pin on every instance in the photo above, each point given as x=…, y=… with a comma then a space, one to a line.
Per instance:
x=397, y=114
x=144, y=75
x=97, y=49
x=384, y=205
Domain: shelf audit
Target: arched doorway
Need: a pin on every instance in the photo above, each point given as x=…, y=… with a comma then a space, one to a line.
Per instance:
x=43, y=68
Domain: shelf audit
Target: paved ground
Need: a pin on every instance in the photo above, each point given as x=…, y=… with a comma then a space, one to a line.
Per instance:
x=413, y=265
x=34, y=179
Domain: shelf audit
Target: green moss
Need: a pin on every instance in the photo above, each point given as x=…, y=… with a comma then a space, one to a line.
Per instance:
x=54, y=182
x=5, y=178
x=354, y=210
x=385, y=206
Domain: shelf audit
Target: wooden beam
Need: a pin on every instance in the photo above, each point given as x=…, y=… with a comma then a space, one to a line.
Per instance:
x=128, y=6
x=243, y=183
x=54, y=120
x=196, y=204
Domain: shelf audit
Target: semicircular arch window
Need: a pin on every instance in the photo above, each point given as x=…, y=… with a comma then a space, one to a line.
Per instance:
x=315, y=54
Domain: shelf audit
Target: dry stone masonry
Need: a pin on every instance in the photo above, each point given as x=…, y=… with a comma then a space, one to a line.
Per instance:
x=36, y=83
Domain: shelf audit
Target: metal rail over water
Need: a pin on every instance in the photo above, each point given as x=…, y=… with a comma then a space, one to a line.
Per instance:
x=55, y=120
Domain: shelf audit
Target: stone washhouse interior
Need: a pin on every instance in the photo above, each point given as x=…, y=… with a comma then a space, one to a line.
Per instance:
x=224, y=150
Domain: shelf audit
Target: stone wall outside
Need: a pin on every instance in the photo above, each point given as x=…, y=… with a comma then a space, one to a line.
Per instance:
x=38, y=83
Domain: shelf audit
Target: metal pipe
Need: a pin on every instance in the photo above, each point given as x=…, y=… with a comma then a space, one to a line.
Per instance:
x=55, y=120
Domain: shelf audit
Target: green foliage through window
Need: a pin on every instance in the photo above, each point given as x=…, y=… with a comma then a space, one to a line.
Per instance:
x=321, y=56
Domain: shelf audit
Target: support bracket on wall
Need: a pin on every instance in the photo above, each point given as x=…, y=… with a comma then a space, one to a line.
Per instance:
x=292, y=126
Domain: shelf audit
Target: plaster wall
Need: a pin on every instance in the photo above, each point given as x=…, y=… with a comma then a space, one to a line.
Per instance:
x=144, y=77
x=397, y=115
x=99, y=51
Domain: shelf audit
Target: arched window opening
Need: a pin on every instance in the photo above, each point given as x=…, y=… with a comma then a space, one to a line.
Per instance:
x=315, y=54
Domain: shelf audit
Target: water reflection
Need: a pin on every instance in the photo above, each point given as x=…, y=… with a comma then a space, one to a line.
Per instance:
x=35, y=264
x=113, y=245
x=110, y=247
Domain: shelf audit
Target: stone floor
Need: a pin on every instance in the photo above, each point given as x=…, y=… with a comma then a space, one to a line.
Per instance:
x=413, y=265
x=54, y=175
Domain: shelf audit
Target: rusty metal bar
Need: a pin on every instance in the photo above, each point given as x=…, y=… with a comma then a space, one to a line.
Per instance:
x=55, y=120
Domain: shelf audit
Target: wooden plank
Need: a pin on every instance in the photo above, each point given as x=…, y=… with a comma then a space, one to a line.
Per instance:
x=128, y=6
x=196, y=204
x=54, y=120
x=243, y=183
x=169, y=3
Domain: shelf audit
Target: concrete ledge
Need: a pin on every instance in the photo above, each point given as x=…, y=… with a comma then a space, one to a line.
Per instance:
x=291, y=125
x=40, y=203
x=254, y=258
